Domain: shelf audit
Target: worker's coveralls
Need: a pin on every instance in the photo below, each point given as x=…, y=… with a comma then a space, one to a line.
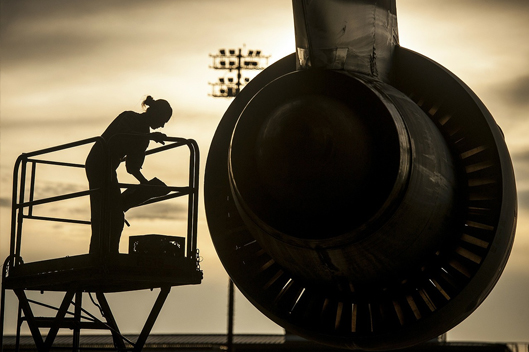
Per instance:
x=126, y=136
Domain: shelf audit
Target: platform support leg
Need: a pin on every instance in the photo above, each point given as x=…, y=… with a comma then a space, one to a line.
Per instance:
x=30, y=318
x=2, y=309
x=42, y=346
x=19, y=325
x=162, y=296
x=57, y=322
x=77, y=318
x=116, y=335
x=54, y=329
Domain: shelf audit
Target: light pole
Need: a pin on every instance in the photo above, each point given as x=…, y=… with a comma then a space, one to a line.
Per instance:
x=234, y=61
x=228, y=86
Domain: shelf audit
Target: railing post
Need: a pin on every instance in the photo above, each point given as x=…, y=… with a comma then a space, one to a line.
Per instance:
x=12, y=243
x=20, y=210
x=32, y=186
x=190, y=202
x=192, y=207
x=196, y=190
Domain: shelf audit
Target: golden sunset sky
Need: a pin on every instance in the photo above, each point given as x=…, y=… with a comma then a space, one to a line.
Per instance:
x=68, y=68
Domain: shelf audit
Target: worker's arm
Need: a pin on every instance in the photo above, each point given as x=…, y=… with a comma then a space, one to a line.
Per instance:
x=158, y=137
x=139, y=176
x=135, y=159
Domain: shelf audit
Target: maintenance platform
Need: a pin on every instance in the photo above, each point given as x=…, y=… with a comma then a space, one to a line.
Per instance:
x=153, y=261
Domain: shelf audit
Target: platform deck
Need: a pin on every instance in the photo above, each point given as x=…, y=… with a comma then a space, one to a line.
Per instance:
x=119, y=273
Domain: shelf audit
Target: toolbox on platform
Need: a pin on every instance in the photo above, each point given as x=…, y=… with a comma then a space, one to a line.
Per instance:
x=152, y=245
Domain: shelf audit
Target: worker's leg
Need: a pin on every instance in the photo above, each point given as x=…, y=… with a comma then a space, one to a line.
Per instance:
x=96, y=223
x=117, y=218
x=96, y=173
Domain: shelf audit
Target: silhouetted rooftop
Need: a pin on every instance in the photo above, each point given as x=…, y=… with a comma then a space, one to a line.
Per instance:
x=242, y=342
x=154, y=341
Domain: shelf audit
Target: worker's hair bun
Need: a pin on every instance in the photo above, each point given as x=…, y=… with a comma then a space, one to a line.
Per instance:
x=149, y=101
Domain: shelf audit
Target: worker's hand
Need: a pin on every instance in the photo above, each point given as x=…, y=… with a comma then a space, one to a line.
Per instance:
x=158, y=137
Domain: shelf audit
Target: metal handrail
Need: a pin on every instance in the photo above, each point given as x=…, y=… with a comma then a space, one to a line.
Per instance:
x=17, y=213
x=19, y=190
x=54, y=199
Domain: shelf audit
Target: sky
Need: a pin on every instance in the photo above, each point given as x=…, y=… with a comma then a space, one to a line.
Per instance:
x=67, y=68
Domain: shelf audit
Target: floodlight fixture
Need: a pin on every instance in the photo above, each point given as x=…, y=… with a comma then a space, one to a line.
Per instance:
x=234, y=59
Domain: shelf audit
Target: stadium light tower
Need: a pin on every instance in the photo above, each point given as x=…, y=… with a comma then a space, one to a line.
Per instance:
x=234, y=60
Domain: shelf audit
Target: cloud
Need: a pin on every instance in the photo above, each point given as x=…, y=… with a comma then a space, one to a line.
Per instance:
x=521, y=167
x=478, y=5
x=495, y=4
x=5, y=202
x=49, y=189
x=516, y=93
x=93, y=40
x=80, y=208
x=523, y=199
x=79, y=59
x=159, y=211
x=48, y=30
x=521, y=157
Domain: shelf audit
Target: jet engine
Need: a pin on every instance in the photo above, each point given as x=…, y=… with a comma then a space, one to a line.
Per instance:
x=358, y=193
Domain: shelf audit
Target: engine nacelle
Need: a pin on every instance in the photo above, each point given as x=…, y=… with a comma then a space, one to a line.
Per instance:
x=361, y=212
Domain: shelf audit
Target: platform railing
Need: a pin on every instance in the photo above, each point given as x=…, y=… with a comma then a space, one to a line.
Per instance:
x=22, y=209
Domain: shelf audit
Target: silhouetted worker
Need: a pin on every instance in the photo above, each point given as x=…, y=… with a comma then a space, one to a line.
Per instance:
x=127, y=136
